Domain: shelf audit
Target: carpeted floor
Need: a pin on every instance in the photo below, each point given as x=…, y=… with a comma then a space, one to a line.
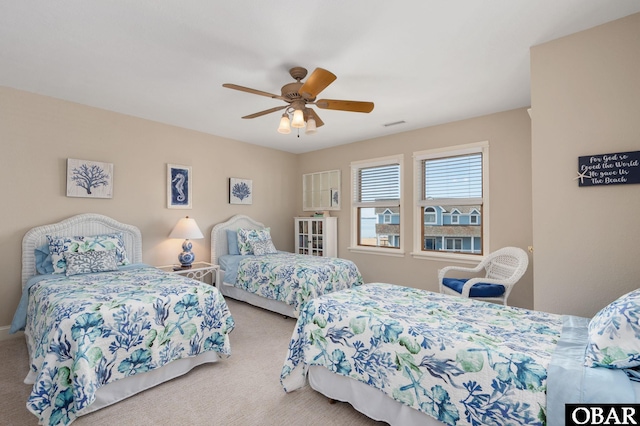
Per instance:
x=241, y=390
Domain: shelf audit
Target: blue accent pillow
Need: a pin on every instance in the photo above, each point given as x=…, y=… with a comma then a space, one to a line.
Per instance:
x=44, y=265
x=614, y=334
x=232, y=241
x=478, y=289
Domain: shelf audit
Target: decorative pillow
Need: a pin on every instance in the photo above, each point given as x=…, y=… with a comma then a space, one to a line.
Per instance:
x=260, y=248
x=43, y=260
x=614, y=334
x=247, y=236
x=232, y=241
x=59, y=245
x=90, y=261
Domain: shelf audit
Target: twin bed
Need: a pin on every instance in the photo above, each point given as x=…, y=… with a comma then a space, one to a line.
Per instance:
x=101, y=326
x=411, y=357
x=397, y=354
x=278, y=281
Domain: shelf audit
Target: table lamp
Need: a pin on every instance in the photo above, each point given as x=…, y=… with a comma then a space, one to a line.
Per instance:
x=186, y=228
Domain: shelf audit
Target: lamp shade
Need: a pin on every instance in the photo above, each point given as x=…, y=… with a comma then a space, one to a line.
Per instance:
x=298, y=119
x=284, y=125
x=186, y=228
x=311, y=127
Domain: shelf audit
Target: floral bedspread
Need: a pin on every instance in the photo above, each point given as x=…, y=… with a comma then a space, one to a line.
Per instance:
x=85, y=331
x=458, y=360
x=295, y=278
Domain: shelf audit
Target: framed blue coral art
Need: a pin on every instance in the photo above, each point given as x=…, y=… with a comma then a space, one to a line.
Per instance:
x=179, y=186
x=240, y=191
x=92, y=179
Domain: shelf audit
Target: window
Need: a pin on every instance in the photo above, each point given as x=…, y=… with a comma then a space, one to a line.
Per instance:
x=454, y=244
x=429, y=243
x=455, y=218
x=430, y=217
x=474, y=217
x=376, y=205
x=451, y=184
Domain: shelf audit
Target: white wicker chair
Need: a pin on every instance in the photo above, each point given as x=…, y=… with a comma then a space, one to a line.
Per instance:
x=503, y=267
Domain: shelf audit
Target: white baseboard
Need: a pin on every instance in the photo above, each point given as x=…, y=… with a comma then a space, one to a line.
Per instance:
x=4, y=333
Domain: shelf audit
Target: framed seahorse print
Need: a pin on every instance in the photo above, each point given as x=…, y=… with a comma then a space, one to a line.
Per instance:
x=179, y=186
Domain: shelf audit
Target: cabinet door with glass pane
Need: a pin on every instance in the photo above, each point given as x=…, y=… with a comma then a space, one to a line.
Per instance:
x=317, y=236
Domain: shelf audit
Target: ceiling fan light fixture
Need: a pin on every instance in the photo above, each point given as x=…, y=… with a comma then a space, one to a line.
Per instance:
x=299, y=95
x=284, y=127
x=311, y=127
x=298, y=119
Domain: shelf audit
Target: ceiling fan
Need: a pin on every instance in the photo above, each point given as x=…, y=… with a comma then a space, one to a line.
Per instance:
x=299, y=95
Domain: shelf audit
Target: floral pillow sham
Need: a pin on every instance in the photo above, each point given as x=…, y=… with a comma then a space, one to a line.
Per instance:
x=614, y=334
x=246, y=238
x=58, y=246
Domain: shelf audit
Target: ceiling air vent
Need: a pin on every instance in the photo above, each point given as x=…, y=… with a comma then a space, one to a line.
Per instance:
x=395, y=123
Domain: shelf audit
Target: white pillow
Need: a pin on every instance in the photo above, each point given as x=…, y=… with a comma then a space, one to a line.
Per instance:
x=614, y=334
x=260, y=248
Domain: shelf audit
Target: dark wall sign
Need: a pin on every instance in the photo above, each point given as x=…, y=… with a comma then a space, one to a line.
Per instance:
x=609, y=169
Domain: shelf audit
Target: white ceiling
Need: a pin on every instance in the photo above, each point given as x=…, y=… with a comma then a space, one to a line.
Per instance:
x=426, y=62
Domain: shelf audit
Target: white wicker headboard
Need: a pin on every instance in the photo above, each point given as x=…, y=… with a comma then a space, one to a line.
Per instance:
x=219, y=244
x=82, y=224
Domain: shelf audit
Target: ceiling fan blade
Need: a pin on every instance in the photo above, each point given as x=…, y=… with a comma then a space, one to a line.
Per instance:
x=312, y=114
x=316, y=83
x=353, y=106
x=254, y=91
x=265, y=112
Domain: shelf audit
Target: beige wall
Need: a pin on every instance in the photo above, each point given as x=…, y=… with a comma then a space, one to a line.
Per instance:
x=38, y=134
x=585, y=101
x=509, y=136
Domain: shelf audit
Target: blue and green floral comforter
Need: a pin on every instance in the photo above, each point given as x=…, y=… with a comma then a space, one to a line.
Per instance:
x=85, y=331
x=458, y=360
x=295, y=278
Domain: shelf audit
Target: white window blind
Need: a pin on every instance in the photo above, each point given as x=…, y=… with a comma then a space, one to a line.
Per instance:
x=377, y=186
x=452, y=180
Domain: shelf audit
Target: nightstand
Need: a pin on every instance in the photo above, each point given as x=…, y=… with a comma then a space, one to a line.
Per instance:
x=198, y=271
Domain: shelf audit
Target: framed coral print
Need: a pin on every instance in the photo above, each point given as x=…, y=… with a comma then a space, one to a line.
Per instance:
x=335, y=198
x=179, y=186
x=91, y=179
x=240, y=191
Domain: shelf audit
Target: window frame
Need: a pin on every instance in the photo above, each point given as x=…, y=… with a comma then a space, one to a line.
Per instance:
x=418, y=157
x=355, y=167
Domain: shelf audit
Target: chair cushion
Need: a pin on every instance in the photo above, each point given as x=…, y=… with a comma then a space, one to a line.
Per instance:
x=478, y=289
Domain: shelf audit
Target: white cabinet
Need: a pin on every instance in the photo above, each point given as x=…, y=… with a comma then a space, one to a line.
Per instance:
x=317, y=236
